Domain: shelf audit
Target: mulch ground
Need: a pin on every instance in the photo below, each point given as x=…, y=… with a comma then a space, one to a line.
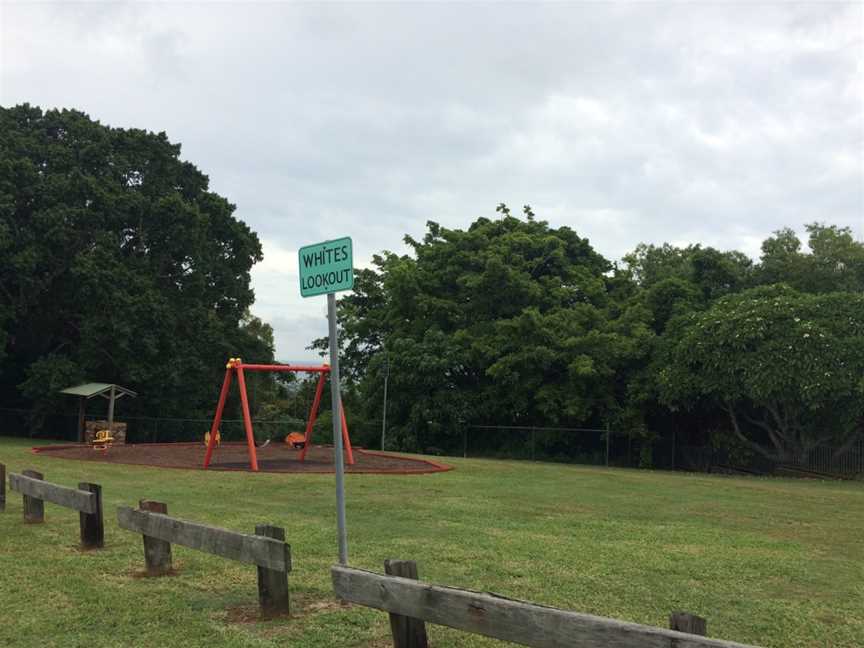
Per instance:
x=275, y=457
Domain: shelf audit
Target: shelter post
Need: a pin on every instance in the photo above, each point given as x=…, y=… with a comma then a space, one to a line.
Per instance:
x=82, y=403
x=111, y=398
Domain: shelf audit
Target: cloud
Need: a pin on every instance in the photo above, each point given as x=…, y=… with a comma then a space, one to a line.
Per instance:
x=714, y=123
x=295, y=321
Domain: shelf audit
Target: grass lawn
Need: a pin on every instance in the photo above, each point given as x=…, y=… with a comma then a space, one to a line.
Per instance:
x=767, y=561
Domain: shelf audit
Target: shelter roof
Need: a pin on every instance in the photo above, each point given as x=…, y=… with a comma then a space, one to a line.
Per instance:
x=89, y=390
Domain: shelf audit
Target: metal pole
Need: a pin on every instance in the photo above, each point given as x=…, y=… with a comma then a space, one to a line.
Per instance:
x=629, y=446
x=607, y=445
x=674, y=438
x=384, y=413
x=336, y=401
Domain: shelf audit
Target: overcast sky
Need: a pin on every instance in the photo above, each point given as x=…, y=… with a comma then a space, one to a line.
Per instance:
x=714, y=123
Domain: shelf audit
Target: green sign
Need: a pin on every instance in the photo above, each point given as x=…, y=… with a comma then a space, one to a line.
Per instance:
x=326, y=267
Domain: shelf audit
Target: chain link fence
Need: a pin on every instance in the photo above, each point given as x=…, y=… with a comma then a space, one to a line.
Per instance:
x=638, y=449
x=586, y=446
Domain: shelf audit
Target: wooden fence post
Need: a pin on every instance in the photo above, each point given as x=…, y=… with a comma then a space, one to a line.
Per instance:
x=2, y=487
x=407, y=631
x=157, y=553
x=272, y=584
x=686, y=622
x=92, y=525
x=34, y=508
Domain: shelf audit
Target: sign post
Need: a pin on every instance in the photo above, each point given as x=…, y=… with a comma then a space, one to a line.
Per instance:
x=326, y=268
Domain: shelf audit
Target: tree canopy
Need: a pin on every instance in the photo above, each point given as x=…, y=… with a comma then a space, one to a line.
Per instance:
x=514, y=322
x=835, y=261
x=117, y=263
x=787, y=367
x=507, y=321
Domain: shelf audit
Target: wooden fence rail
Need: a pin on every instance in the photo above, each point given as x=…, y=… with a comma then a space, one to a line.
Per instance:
x=494, y=616
x=86, y=499
x=267, y=548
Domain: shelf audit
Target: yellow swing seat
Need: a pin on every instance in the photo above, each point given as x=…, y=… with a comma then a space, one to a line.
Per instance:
x=102, y=440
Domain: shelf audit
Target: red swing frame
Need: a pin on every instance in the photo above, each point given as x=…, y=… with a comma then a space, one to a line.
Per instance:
x=236, y=365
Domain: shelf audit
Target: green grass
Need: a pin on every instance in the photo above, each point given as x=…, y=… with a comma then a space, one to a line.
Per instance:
x=767, y=561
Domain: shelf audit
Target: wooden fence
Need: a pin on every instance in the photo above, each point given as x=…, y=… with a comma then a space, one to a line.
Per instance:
x=267, y=548
x=411, y=603
x=86, y=499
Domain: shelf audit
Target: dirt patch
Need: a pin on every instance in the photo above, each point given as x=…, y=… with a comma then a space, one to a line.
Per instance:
x=275, y=457
x=137, y=574
x=301, y=606
x=253, y=614
x=246, y=614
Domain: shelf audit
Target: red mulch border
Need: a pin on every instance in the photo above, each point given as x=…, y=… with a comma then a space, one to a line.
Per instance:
x=433, y=466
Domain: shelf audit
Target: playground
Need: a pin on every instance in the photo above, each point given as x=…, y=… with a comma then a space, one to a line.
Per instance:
x=274, y=458
x=295, y=453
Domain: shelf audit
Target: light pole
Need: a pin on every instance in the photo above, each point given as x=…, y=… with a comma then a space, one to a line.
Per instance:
x=384, y=412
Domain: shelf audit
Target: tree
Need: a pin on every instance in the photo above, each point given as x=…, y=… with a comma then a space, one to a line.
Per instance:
x=117, y=263
x=782, y=260
x=785, y=367
x=505, y=322
x=835, y=261
x=711, y=272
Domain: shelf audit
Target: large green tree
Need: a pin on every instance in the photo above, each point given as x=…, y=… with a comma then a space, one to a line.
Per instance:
x=117, y=263
x=505, y=322
x=835, y=261
x=657, y=284
x=511, y=321
x=787, y=368
x=710, y=272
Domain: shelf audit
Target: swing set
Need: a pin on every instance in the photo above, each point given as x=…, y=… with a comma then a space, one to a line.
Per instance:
x=238, y=367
